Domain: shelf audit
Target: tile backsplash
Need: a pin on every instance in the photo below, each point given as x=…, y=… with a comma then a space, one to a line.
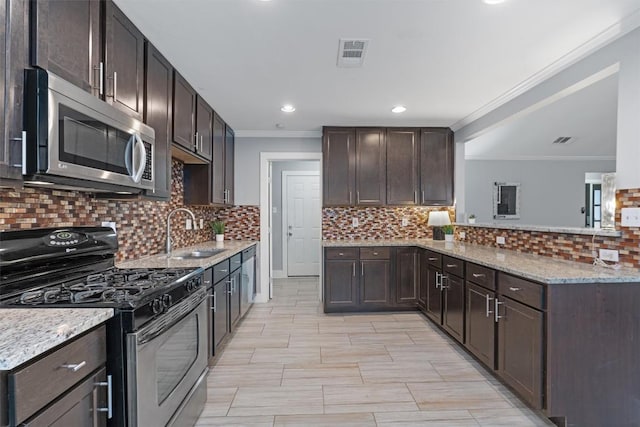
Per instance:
x=141, y=224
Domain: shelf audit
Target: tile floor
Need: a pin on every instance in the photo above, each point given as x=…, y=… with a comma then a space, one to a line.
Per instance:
x=289, y=364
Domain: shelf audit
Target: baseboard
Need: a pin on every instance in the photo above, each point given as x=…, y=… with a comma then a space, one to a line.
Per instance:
x=261, y=298
x=278, y=274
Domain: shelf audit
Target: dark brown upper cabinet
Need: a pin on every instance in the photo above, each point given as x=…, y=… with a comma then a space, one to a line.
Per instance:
x=158, y=102
x=66, y=39
x=124, y=62
x=12, y=64
x=204, y=122
x=403, y=164
x=339, y=165
x=436, y=167
x=229, y=154
x=184, y=113
x=218, y=161
x=371, y=174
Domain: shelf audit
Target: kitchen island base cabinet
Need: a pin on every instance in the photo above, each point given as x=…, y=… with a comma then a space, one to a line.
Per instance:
x=480, y=324
x=453, y=307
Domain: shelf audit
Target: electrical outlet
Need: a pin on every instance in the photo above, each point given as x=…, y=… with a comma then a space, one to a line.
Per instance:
x=111, y=224
x=201, y=223
x=187, y=224
x=462, y=235
x=630, y=217
x=500, y=240
x=405, y=222
x=609, y=255
x=354, y=222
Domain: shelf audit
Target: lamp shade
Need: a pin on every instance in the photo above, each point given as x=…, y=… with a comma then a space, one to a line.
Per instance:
x=438, y=219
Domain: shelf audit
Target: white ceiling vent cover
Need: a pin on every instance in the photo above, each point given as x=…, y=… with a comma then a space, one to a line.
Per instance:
x=351, y=52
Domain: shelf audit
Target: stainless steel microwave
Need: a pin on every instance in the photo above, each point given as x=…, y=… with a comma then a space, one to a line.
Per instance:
x=74, y=140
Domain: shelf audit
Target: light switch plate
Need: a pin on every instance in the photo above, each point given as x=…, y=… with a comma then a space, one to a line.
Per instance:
x=500, y=240
x=462, y=235
x=201, y=223
x=354, y=221
x=111, y=224
x=609, y=255
x=187, y=224
x=630, y=217
x=405, y=222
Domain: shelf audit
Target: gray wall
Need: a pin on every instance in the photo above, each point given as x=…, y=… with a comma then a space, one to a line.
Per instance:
x=247, y=162
x=551, y=192
x=276, y=203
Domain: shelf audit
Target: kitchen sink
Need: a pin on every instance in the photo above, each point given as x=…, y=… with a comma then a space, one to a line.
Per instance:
x=198, y=254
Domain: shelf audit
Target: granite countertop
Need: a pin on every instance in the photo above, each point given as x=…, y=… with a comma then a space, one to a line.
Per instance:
x=231, y=247
x=535, y=267
x=546, y=229
x=26, y=333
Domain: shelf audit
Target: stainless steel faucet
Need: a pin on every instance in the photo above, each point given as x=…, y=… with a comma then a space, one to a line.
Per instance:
x=169, y=226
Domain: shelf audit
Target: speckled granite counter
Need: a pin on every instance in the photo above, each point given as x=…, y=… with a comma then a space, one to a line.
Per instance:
x=545, y=229
x=231, y=247
x=539, y=268
x=27, y=333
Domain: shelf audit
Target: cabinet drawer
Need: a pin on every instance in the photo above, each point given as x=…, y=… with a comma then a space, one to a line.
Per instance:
x=35, y=385
x=434, y=258
x=480, y=275
x=521, y=290
x=375, y=253
x=236, y=262
x=220, y=271
x=341, y=253
x=248, y=253
x=453, y=266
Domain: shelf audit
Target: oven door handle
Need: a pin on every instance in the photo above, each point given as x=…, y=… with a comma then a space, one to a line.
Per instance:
x=141, y=156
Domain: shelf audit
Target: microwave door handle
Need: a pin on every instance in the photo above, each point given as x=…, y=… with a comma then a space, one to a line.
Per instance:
x=142, y=158
x=128, y=155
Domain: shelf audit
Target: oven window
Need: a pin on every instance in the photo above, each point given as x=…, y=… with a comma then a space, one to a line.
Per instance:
x=175, y=357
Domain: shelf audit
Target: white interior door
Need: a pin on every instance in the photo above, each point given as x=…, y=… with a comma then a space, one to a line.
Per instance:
x=302, y=223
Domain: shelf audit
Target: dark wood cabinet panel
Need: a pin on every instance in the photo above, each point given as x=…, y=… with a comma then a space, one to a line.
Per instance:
x=520, y=350
x=480, y=330
x=158, y=102
x=338, y=163
x=340, y=284
x=66, y=40
x=371, y=154
x=221, y=313
x=218, y=161
x=124, y=62
x=453, y=310
x=424, y=279
x=375, y=282
x=204, y=124
x=402, y=166
x=234, y=299
x=229, y=156
x=436, y=167
x=433, y=307
x=184, y=113
x=407, y=276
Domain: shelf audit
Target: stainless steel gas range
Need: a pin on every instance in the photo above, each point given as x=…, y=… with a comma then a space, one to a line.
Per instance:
x=157, y=340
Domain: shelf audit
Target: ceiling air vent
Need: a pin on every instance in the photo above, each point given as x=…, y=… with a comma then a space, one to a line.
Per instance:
x=351, y=52
x=562, y=140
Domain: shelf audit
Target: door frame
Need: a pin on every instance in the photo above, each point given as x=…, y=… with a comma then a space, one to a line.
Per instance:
x=265, y=272
x=285, y=213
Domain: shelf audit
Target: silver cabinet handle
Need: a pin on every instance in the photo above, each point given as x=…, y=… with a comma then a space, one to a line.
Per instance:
x=477, y=275
x=438, y=284
x=100, y=69
x=24, y=152
x=415, y=196
x=349, y=197
x=223, y=271
x=115, y=85
x=512, y=289
x=451, y=265
x=207, y=282
x=195, y=142
x=357, y=196
x=488, y=310
x=375, y=253
x=341, y=253
x=75, y=367
x=201, y=143
x=213, y=302
x=353, y=268
x=362, y=269
x=109, y=385
x=422, y=196
x=433, y=259
x=442, y=279
x=496, y=308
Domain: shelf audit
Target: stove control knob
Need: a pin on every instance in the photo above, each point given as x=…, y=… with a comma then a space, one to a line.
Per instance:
x=156, y=306
x=166, y=300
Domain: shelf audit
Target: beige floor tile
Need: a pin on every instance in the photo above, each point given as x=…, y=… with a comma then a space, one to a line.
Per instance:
x=367, y=393
x=395, y=372
x=239, y=356
x=321, y=374
x=456, y=395
x=370, y=407
x=424, y=353
x=401, y=326
x=395, y=338
x=256, y=421
x=416, y=416
x=342, y=420
x=347, y=328
x=283, y=400
x=264, y=341
x=355, y=354
x=515, y=417
x=246, y=375
x=218, y=400
x=300, y=355
x=462, y=370
x=324, y=340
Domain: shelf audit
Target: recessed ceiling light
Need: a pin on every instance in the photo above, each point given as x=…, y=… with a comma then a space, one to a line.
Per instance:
x=493, y=1
x=399, y=109
x=288, y=108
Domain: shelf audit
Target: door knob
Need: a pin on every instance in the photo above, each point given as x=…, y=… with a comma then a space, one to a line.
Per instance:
x=290, y=234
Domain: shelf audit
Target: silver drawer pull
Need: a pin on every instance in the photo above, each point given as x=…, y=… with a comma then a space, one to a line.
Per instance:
x=75, y=367
x=341, y=253
x=451, y=265
x=477, y=275
x=223, y=271
x=109, y=408
x=512, y=289
x=433, y=259
x=496, y=310
x=487, y=309
x=375, y=253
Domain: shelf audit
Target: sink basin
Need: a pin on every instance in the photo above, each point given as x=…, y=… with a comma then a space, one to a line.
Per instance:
x=198, y=254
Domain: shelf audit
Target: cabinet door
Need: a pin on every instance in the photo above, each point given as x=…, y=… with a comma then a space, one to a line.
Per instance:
x=221, y=313
x=184, y=112
x=12, y=63
x=218, y=161
x=520, y=333
x=480, y=324
x=229, y=155
x=204, y=123
x=434, y=295
x=424, y=280
x=375, y=281
x=66, y=40
x=371, y=155
x=158, y=101
x=453, y=310
x=79, y=407
x=338, y=164
x=436, y=167
x=124, y=62
x=234, y=298
x=340, y=285
x=402, y=166
x=407, y=276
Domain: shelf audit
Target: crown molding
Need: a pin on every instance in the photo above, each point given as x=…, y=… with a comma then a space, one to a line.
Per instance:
x=278, y=134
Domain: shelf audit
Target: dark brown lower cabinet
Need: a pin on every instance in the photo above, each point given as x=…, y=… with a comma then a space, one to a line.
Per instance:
x=433, y=307
x=480, y=324
x=424, y=278
x=234, y=298
x=520, y=349
x=407, y=276
x=375, y=278
x=220, y=314
x=340, y=285
x=453, y=306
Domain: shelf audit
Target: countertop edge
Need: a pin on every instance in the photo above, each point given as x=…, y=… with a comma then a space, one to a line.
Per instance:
x=545, y=229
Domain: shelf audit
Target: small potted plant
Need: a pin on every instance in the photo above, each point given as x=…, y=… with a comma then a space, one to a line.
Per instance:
x=472, y=219
x=448, y=233
x=218, y=229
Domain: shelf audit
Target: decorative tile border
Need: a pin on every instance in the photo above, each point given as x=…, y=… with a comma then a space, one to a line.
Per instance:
x=140, y=223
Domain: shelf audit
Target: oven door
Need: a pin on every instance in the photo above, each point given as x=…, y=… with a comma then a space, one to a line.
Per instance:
x=165, y=360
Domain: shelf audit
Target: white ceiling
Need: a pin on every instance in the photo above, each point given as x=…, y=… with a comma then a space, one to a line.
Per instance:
x=442, y=59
